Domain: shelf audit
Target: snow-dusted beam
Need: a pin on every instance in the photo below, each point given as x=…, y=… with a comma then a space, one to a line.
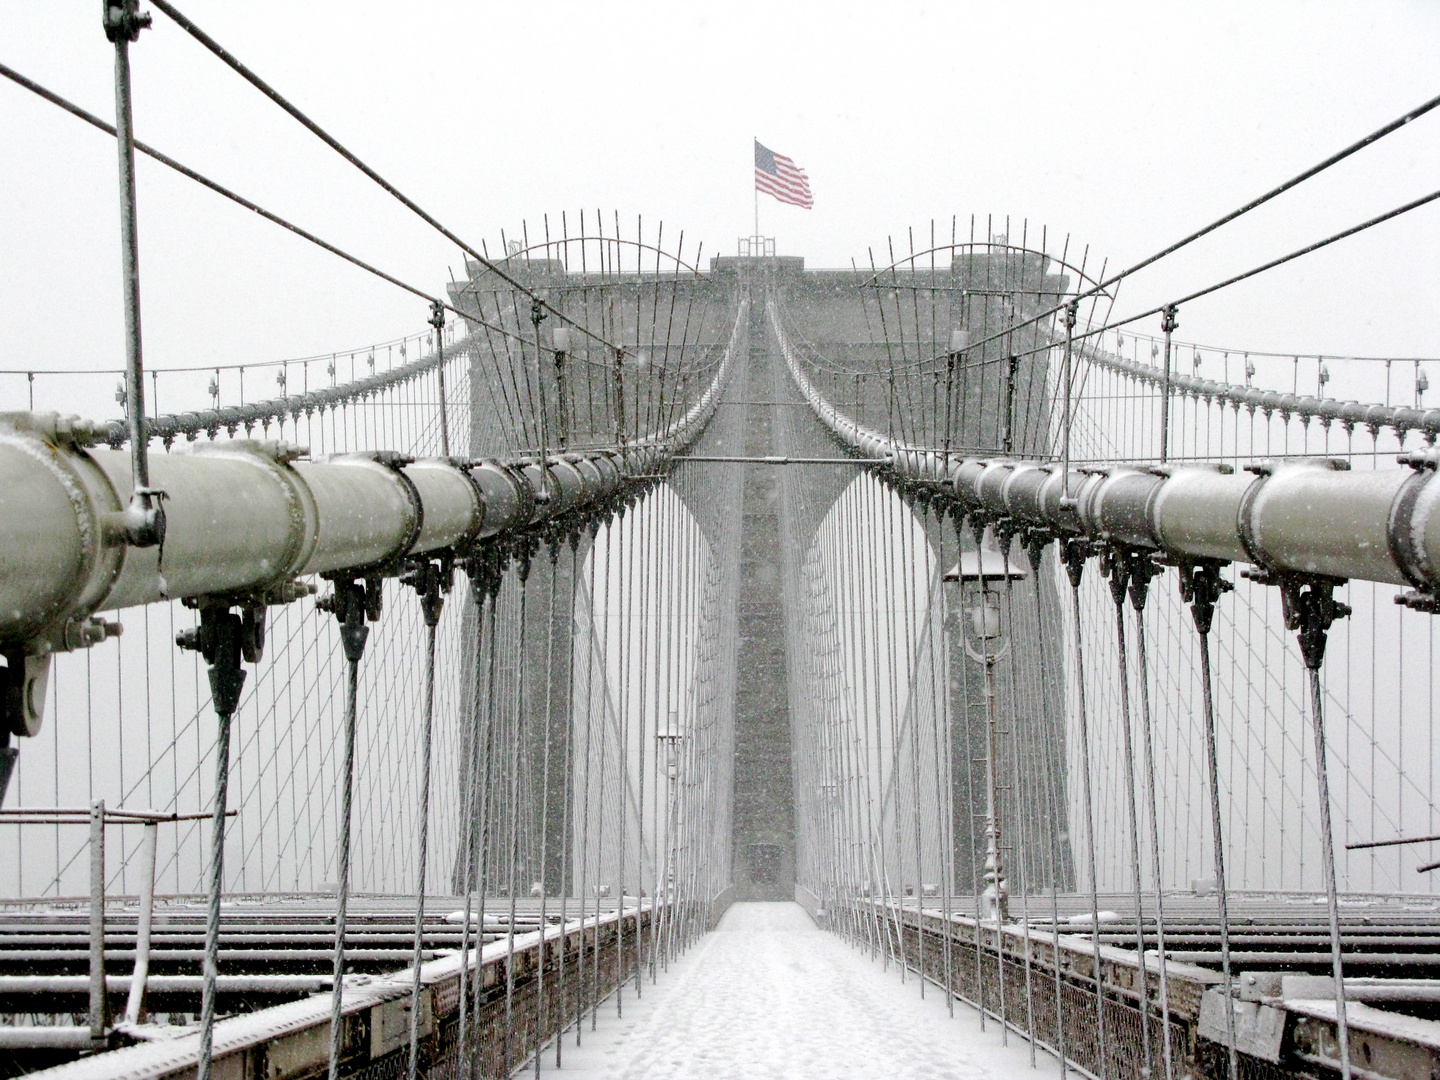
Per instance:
x=1301, y=517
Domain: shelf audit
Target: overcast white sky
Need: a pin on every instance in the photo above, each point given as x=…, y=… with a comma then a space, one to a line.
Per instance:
x=1123, y=124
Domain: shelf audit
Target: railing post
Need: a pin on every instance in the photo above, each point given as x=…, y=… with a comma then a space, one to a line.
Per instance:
x=144, y=919
x=99, y=1005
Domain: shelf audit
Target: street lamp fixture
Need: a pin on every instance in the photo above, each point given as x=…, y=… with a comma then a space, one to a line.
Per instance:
x=976, y=571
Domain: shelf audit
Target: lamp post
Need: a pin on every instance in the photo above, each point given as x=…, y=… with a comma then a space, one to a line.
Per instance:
x=980, y=606
x=669, y=739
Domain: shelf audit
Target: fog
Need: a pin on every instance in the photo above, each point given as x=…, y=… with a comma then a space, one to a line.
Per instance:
x=1122, y=124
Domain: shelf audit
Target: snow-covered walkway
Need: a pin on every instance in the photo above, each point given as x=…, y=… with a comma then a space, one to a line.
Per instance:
x=770, y=995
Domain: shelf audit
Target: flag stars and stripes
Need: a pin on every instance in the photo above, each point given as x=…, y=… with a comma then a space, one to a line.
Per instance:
x=777, y=175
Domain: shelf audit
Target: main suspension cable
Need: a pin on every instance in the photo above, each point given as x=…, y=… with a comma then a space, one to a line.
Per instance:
x=1260, y=200
x=274, y=95
x=199, y=178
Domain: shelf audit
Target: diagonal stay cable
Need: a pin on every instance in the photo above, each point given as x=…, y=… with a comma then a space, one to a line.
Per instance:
x=184, y=170
x=1260, y=200
x=1234, y=279
x=1378, y=219
x=274, y=95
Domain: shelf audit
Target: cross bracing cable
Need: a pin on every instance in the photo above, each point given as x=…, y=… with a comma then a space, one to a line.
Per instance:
x=265, y=88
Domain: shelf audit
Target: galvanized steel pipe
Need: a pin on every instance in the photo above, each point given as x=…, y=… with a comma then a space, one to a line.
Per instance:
x=1306, y=517
x=246, y=517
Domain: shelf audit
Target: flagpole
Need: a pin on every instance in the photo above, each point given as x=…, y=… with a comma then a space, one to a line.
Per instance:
x=757, y=198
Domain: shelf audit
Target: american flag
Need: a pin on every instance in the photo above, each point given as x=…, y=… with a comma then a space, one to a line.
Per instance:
x=776, y=174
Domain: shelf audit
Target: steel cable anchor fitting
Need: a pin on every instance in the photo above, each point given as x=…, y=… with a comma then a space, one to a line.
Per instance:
x=1309, y=608
x=354, y=602
x=1201, y=586
x=431, y=579
x=224, y=639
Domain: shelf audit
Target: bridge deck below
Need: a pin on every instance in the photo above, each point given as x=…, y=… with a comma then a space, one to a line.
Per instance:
x=769, y=995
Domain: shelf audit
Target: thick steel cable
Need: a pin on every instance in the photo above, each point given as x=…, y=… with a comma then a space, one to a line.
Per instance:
x=517, y=738
x=1104, y=1068
x=1119, y=581
x=211, y=970
x=917, y=627
x=545, y=806
x=422, y=857
x=471, y=805
x=589, y=638
x=482, y=876
x=354, y=647
x=254, y=80
x=567, y=873
x=872, y=579
x=1108, y=325
x=1221, y=893
x=884, y=521
x=1037, y=558
x=1260, y=200
x=644, y=519
x=622, y=766
x=612, y=529
x=944, y=778
x=1327, y=855
x=1021, y=848
x=909, y=602
x=667, y=556
x=1343, y=234
x=1137, y=600
x=219, y=189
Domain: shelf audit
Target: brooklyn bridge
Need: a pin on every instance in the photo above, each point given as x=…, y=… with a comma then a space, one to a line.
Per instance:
x=670, y=662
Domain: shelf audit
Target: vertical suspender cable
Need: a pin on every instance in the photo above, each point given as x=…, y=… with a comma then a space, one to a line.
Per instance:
x=430, y=605
x=219, y=638
x=612, y=534
x=1201, y=585
x=1118, y=567
x=482, y=875
x=627, y=611
x=944, y=773
x=1075, y=555
x=1022, y=861
x=349, y=603
x=481, y=588
x=544, y=878
x=584, y=805
x=644, y=514
x=1310, y=607
x=567, y=876
x=1140, y=573
x=520, y=734
x=1036, y=542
